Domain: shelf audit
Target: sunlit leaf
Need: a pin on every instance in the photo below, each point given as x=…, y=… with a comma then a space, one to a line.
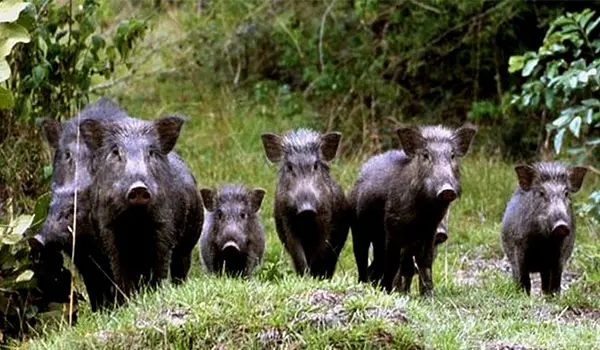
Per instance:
x=22, y=223
x=575, y=126
x=583, y=77
x=25, y=276
x=573, y=82
x=515, y=63
x=10, y=35
x=561, y=121
x=558, y=140
x=11, y=239
x=4, y=70
x=10, y=10
x=591, y=26
x=529, y=66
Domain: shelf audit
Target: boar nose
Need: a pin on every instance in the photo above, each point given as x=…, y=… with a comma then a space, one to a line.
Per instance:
x=36, y=242
x=231, y=246
x=446, y=193
x=561, y=229
x=307, y=209
x=138, y=194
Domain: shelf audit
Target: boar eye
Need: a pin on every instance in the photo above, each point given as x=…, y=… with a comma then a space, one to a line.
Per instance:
x=426, y=156
x=67, y=155
x=219, y=213
x=541, y=193
x=243, y=216
x=567, y=194
x=289, y=167
x=151, y=152
x=452, y=155
x=115, y=152
x=316, y=166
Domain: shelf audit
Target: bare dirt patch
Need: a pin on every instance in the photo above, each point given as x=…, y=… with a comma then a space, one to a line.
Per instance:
x=475, y=270
x=323, y=308
x=577, y=314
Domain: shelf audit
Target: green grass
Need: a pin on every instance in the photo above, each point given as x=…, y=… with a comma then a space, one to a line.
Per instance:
x=475, y=303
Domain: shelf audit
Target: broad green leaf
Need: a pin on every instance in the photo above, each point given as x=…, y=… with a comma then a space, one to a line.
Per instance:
x=583, y=77
x=593, y=142
x=585, y=18
x=6, y=99
x=573, y=82
x=591, y=26
x=39, y=73
x=4, y=70
x=558, y=140
x=561, y=121
x=10, y=35
x=588, y=116
x=591, y=102
x=22, y=223
x=575, y=126
x=529, y=66
x=515, y=63
x=10, y=10
x=25, y=276
x=11, y=239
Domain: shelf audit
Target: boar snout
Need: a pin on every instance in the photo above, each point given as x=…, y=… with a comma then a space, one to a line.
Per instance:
x=560, y=229
x=231, y=247
x=138, y=194
x=447, y=193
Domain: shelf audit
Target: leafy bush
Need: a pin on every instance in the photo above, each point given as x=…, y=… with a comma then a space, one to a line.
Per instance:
x=562, y=82
x=49, y=54
x=366, y=65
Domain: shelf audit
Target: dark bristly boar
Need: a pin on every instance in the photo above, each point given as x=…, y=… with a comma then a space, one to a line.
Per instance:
x=233, y=237
x=144, y=201
x=55, y=234
x=311, y=210
x=367, y=202
x=538, y=227
x=426, y=181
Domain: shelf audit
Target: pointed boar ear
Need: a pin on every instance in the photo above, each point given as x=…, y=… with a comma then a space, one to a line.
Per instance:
x=51, y=129
x=576, y=176
x=168, y=129
x=256, y=197
x=410, y=139
x=93, y=133
x=525, y=174
x=329, y=144
x=273, y=146
x=463, y=137
x=208, y=198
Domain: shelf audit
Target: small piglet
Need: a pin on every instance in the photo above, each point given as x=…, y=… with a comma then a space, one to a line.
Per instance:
x=311, y=210
x=538, y=227
x=232, y=237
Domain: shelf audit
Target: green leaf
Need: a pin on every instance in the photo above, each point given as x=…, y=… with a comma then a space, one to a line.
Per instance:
x=575, y=126
x=591, y=26
x=10, y=35
x=39, y=74
x=593, y=142
x=10, y=10
x=529, y=66
x=22, y=223
x=558, y=140
x=515, y=63
x=561, y=121
x=11, y=239
x=583, y=77
x=4, y=70
x=588, y=116
x=6, y=99
x=585, y=18
x=573, y=82
x=591, y=102
x=25, y=276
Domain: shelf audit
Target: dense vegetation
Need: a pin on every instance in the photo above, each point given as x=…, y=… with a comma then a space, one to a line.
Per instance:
x=238, y=68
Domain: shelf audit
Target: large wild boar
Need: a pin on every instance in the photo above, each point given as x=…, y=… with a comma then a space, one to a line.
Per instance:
x=538, y=226
x=72, y=175
x=311, y=210
x=145, y=205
